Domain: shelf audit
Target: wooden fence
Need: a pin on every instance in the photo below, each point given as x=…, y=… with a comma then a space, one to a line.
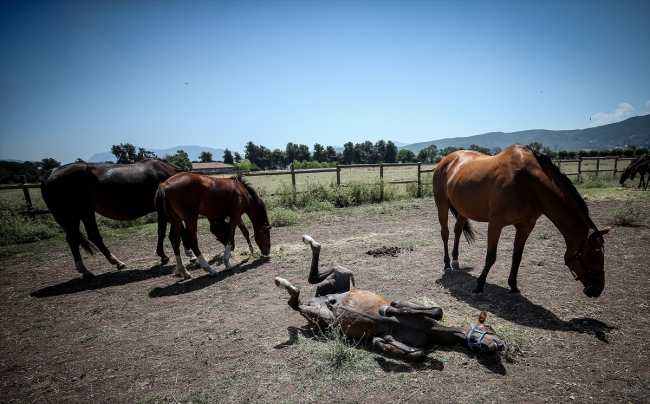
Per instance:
x=582, y=167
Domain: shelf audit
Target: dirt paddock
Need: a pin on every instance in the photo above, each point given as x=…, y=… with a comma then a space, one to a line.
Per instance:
x=141, y=335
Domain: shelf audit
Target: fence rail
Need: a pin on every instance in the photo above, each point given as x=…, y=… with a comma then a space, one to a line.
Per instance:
x=292, y=172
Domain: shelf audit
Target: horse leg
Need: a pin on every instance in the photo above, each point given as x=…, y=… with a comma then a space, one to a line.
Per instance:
x=315, y=276
x=186, y=244
x=244, y=231
x=494, y=232
x=162, y=229
x=443, y=216
x=405, y=308
x=88, y=219
x=175, y=239
x=294, y=293
x=458, y=231
x=191, y=227
x=391, y=347
x=521, y=235
x=73, y=237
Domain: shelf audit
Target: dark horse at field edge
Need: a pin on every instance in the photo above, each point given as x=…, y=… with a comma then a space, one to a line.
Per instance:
x=516, y=187
x=185, y=196
x=75, y=192
x=640, y=165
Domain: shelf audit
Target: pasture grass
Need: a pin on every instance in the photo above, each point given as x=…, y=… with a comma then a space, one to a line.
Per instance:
x=627, y=213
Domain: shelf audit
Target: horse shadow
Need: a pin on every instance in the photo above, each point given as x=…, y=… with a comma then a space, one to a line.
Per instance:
x=201, y=282
x=515, y=307
x=105, y=280
x=125, y=277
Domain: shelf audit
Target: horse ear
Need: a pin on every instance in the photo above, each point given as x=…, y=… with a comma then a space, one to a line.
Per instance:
x=226, y=219
x=482, y=316
x=268, y=227
x=600, y=233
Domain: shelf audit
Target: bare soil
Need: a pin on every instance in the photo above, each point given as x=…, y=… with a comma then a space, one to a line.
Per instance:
x=141, y=335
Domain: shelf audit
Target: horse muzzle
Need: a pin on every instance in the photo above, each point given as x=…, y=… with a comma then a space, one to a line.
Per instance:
x=593, y=290
x=266, y=251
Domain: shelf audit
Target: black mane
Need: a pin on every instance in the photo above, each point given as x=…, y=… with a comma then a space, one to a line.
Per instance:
x=582, y=205
x=256, y=196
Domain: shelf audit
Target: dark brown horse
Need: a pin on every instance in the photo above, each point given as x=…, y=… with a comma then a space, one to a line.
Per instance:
x=75, y=192
x=640, y=165
x=397, y=328
x=516, y=187
x=220, y=228
x=185, y=196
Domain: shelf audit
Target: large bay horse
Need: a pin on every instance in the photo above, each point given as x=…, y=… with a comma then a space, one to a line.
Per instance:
x=640, y=165
x=397, y=328
x=185, y=196
x=516, y=187
x=75, y=191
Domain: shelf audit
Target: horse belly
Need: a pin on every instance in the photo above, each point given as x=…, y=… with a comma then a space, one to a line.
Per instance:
x=366, y=302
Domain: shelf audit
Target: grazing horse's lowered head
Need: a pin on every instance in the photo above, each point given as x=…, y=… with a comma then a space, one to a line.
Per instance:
x=397, y=328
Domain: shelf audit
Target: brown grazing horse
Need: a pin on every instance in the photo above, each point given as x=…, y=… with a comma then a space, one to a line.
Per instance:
x=75, y=192
x=516, y=187
x=640, y=165
x=397, y=328
x=185, y=196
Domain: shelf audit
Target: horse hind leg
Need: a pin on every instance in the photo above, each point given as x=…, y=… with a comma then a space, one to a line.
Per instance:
x=191, y=227
x=494, y=232
x=405, y=307
x=175, y=240
x=391, y=347
x=162, y=229
x=294, y=293
x=74, y=239
x=458, y=231
x=90, y=224
x=443, y=217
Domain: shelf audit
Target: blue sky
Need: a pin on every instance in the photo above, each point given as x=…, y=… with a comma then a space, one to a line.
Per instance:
x=78, y=77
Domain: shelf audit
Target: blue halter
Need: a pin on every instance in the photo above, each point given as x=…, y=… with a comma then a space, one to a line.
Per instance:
x=474, y=345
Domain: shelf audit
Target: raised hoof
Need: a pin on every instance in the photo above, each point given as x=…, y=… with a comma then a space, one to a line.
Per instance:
x=309, y=240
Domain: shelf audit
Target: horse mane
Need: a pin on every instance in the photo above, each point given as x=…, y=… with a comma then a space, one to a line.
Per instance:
x=637, y=161
x=255, y=195
x=582, y=205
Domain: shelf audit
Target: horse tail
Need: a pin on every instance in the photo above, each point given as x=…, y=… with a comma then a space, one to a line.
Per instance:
x=161, y=201
x=468, y=231
x=48, y=198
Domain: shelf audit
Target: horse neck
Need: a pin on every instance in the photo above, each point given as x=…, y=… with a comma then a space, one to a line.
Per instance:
x=563, y=211
x=443, y=335
x=253, y=211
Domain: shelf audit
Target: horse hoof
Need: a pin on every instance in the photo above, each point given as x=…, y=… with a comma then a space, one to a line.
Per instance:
x=121, y=265
x=447, y=270
x=455, y=264
x=164, y=260
x=477, y=296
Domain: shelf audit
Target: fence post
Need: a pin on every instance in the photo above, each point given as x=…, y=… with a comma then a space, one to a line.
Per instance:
x=419, y=181
x=338, y=175
x=615, y=166
x=28, y=198
x=381, y=182
x=597, y=166
x=579, y=168
x=293, y=182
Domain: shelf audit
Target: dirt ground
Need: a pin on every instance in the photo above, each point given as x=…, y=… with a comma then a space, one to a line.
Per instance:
x=141, y=335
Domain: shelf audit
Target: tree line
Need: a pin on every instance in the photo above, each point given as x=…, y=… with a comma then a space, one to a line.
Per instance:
x=258, y=157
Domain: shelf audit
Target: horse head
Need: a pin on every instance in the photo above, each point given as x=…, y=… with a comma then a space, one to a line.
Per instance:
x=482, y=337
x=587, y=263
x=625, y=176
x=262, y=238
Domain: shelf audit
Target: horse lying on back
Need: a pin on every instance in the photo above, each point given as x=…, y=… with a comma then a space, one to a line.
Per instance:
x=397, y=328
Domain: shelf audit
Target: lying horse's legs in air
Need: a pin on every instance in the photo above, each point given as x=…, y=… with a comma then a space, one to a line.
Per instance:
x=315, y=276
x=88, y=219
x=320, y=315
x=403, y=307
x=521, y=235
x=494, y=232
x=391, y=347
x=458, y=231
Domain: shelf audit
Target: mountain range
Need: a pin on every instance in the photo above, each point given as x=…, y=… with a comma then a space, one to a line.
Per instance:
x=635, y=130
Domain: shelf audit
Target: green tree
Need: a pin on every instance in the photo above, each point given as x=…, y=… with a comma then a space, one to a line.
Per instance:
x=391, y=152
x=319, y=153
x=549, y=152
x=227, y=157
x=237, y=157
x=537, y=146
x=496, y=150
x=348, y=153
x=47, y=164
x=406, y=156
x=563, y=154
x=144, y=154
x=205, y=157
x=331, y=154
x=378, y=152
x=480, y=149
x=180, y=159
x=124, y=153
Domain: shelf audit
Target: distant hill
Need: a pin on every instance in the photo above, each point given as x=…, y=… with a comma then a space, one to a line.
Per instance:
x=192, y=151
x=635, y=130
